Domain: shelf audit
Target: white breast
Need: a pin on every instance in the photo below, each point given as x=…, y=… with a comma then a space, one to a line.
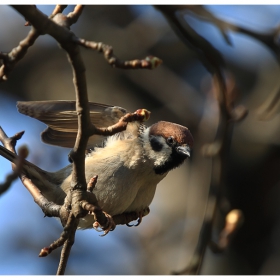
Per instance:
x=126, y=179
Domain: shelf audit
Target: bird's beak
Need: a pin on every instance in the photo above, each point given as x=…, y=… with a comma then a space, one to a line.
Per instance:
x=184, y=150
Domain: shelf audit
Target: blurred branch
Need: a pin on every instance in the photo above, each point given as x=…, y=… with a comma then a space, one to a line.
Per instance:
x=269, y=39
x=58, y=10
x=74, y=16
x=9, y=180
x=233, y=221
x=49, y=208
x=218, y=150
x=207, y=54
x=268, y=109
x=23, y=152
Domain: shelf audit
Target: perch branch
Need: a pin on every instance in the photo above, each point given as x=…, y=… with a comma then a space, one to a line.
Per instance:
x=65, y=253
x=80, y=201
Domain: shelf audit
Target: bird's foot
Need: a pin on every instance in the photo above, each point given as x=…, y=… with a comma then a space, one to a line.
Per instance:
x=140, y=214
x=109, y=226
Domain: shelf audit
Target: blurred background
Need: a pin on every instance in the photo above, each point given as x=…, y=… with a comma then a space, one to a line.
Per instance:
x=179, y=91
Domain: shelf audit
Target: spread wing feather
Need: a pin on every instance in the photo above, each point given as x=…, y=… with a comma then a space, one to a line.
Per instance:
x=62, y=121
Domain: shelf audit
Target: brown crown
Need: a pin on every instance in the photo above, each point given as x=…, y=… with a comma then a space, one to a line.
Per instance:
x=180, y=133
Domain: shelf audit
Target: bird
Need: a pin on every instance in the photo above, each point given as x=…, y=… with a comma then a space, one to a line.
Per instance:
x=129, y=164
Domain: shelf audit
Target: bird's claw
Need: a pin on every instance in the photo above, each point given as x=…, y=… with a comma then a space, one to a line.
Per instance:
x=138, y=223
x=110, y=225
x=141, y=214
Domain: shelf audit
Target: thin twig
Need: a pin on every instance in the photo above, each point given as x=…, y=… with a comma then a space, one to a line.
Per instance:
x=58, y=10
x=15, y=55
x=140, y=115
x=69, y=228
x=49, y=208
x=74, y=16
x=149, y=62
x=11, y=59
x=23, y=152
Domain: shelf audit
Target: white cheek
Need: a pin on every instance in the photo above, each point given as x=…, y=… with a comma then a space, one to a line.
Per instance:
x=163, y=155
x=160, y=157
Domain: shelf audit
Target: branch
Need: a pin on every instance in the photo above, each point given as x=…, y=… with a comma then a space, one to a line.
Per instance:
x=270, y=39
x=15, y=55
x=233, y=221
x=23, y=152
x=214, y=63
x=11, y=59
x=56, y=28
x=49, y=208
x=150, y=62
x=140, y=115
x=58, y=10
x=78, y=202
x=74, y=16
x=209, y=56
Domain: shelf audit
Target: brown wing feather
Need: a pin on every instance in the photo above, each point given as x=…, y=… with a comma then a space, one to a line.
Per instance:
x=62, y=121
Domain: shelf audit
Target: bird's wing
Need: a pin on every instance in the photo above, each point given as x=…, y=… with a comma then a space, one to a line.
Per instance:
x=62, y=121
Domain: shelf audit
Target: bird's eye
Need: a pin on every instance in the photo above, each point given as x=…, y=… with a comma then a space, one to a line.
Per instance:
x=170, y=140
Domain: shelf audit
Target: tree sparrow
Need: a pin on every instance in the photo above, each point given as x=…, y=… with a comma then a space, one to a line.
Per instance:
x=129, y=164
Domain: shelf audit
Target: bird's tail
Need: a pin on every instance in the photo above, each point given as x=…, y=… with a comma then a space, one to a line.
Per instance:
x=47, y=182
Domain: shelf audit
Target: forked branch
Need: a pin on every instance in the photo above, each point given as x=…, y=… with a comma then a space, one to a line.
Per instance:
x=78, y=202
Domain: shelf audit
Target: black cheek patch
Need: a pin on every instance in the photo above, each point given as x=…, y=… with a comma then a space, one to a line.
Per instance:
x=173, y=161
x=155, y=144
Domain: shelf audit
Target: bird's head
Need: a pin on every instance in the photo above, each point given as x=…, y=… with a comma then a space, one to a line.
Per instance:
x=167, y=145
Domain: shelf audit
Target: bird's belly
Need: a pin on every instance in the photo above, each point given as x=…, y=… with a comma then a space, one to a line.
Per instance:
x=117, y=184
